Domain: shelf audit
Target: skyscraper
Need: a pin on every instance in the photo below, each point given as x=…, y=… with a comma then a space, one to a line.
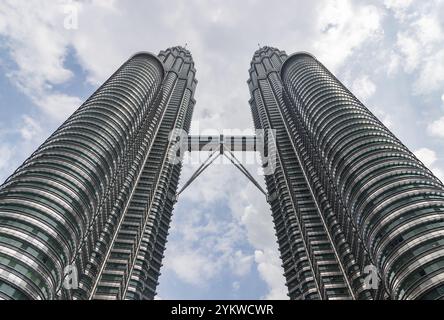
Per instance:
x=357, y=216
x=95, y=200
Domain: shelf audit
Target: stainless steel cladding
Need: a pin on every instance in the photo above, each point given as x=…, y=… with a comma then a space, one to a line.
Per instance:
x=87, y=200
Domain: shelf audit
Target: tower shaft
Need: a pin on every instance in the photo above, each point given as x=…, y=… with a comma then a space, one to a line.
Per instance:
x=357, y=216
x=94, y=201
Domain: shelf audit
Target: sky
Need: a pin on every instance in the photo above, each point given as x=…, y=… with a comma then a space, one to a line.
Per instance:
x=55, y=53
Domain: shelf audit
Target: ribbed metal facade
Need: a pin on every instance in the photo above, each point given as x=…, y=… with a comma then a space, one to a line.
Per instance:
x=314, y=266
x=133, y=262
x=95, y=195
x=347, y=193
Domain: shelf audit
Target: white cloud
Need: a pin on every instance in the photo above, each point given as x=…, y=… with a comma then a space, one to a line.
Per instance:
x=254, y=213
x=241, y=263
x=419, y=44
x=410, y=50
x=209, y=186
x=393, y=64
x=398, y=6
x=439, y=173
x=192, y=267
x=38, y=44
x=30, y=128
x=205, y=234
x=427, y=156
x=431, y=76
x=18, y=140
x=428, y=29
x=436, y=128
x=344, y=27
x=35, y=41
x=255, y=217
x=363, y=88
x=6, y=153
x=270, y=270
x=205, y=245
x=59, y=106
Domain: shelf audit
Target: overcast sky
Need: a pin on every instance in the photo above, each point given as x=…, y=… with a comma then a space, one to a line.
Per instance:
x=222, y=245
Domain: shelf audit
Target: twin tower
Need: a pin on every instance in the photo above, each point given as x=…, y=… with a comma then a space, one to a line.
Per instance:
x=356, y=214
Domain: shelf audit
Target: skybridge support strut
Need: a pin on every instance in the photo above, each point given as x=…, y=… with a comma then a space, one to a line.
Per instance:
x=222, y=146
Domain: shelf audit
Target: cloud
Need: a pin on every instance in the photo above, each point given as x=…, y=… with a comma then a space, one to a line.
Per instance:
x=6, y=152
x=38, y=45
x=269, y=269
x=398, y=4
x=30, y=129
x=419, y=43
x=222, y=223
x=192, y=267
x=436, y=128
x=241, y=263
x=439, y=173
x=428, y=29
x=59, y=106
x=427, y=156
x=209, y=233
x=432, y=74
x=344, y=27
x=410, y=50
x=206, y=245
x=399, y=7
x=17, y=141
x=429, y=159
x=363, y=88
x=254, y=213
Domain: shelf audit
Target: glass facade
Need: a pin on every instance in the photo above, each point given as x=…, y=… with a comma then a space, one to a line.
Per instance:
x=94, y=196
x=348, y=194
x=315, y=257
